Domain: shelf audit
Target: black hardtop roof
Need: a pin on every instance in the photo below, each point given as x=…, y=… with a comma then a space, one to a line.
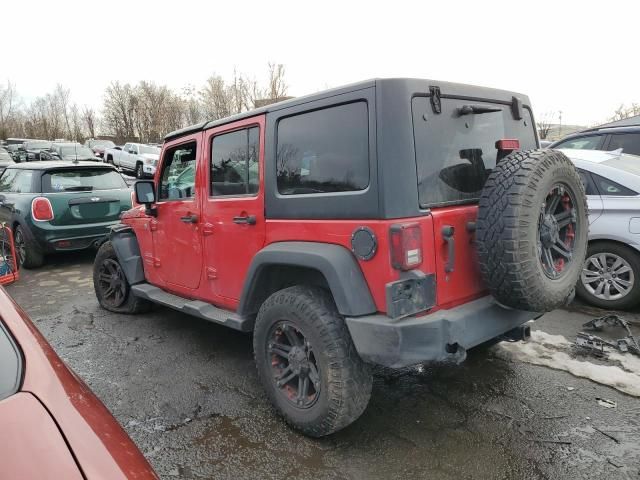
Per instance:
x=47, y=165
x=411, y=85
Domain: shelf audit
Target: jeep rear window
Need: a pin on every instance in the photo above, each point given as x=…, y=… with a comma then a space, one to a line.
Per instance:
x=456, y=153
x=324, y=151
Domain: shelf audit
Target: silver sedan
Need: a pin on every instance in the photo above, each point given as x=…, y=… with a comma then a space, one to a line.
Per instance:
x=611, y=274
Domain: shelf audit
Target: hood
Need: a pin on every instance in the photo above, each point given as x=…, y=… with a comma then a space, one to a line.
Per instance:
x=150, y=156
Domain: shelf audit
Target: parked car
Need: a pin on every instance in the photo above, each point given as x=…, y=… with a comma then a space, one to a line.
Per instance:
x=380, y=223
x=611, y=275
x=16, y=153
x=5, y=159
x=98, y=146
x=52, y=425
x=603, y=138
x=60, y=206
x=138, y=158
x=33, y=148
x=68, y=152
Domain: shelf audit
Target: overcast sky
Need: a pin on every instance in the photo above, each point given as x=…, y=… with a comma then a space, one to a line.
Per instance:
x=580, y=57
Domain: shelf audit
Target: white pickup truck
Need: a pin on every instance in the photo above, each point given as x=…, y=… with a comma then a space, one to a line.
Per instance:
x=138, y=158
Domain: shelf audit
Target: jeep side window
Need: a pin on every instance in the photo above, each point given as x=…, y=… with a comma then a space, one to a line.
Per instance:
x=234, y=163
x=178, y=178
x=324, y=151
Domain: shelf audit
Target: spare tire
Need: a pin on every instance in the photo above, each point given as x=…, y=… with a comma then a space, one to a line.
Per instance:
x=532, y=230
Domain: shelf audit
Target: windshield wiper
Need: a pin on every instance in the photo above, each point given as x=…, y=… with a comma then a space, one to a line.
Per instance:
x=78, y=189
x=476, y=109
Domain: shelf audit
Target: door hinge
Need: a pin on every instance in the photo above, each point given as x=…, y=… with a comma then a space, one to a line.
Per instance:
x=436, y=104
x=212, y=273
x=207, y=229
x=153, y=225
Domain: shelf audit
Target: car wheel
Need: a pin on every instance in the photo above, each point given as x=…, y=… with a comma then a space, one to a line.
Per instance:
x=139, y=171
x=29, y=256
x=307, y=362
x=110, y=284
x=611, y=276
x=532, y=230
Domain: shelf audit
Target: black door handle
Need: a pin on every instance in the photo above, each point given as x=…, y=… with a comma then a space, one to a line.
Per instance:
x=246, y=220
x=447, y=233
x=189, y=219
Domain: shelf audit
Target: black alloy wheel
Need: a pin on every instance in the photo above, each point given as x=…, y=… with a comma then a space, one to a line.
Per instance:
x=112, y=283
x=557, y=231
x=293, y=364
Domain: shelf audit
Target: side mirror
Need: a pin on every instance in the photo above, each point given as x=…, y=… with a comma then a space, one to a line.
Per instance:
x=146, y=195
x=117, y=148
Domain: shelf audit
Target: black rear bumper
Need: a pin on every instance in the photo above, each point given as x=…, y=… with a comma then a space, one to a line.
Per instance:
x=443, y=336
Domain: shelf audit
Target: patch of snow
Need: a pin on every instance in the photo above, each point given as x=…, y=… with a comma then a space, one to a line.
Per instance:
x=552, y=351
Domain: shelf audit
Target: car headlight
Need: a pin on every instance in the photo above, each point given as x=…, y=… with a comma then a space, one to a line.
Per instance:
x=148, y=161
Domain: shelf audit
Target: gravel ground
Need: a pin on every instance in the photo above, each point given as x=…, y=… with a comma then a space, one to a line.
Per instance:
x=188, y=394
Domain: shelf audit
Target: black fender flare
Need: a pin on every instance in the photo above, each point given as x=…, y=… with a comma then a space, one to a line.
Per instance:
x=337, y=264
x=125, y=244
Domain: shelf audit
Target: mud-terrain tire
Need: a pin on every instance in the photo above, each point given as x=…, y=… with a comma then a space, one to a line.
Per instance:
x=29, y=255
x=532, y=208
x=620, y=268
x=139, y=172
x=106, y=265
x=301, y=324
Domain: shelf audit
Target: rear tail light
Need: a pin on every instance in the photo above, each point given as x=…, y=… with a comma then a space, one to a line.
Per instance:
x=508, y=144
x=406, y=246
x=41, y=209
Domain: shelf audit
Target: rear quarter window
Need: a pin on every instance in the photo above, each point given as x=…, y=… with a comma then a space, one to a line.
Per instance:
x=324, y=151
x=86, y=179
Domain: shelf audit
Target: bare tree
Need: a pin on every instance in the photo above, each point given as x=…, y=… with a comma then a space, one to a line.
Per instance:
x=624, y=111
x=277, y=88
x=89, y=120
x=7, y=108
x=215, y=99
x=544, y=125
x=120, y=104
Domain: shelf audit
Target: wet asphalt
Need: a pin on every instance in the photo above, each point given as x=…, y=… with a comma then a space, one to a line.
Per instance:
x=187, y=393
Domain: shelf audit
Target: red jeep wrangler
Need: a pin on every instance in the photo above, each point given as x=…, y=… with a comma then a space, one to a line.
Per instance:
x=389, y=222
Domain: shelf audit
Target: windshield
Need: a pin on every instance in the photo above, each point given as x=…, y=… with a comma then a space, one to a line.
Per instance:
x=37, y=145
x=82, y=179
x=149, y=149
x=82, y=152
x=456, y=150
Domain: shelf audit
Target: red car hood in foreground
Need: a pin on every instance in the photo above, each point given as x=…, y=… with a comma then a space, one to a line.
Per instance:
x=55, y=427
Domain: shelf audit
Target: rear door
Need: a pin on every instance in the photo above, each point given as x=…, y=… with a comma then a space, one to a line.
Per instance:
x=234, y=228
x=455, y=154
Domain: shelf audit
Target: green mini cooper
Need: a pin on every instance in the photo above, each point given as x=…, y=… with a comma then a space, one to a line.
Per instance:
x=60, y=206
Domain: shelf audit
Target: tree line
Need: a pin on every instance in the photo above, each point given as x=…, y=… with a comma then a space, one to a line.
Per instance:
x=144, y=112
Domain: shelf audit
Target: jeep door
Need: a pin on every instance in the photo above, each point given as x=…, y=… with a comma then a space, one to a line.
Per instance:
x=176, y=229
x=233, y=212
